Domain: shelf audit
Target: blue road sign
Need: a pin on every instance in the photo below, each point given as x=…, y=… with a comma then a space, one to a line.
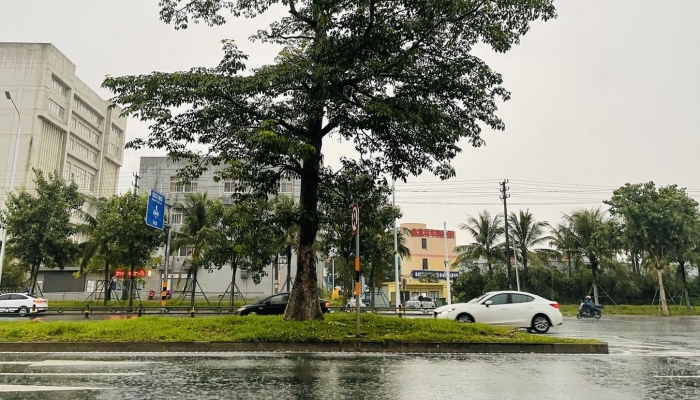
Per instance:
x=155, y=211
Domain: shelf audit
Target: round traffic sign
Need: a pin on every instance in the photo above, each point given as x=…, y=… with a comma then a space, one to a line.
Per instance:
x=355, y=218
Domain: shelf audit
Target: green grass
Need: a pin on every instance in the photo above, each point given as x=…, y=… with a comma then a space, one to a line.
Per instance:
x=334, y=327
x=55, y=304
x=571, y=310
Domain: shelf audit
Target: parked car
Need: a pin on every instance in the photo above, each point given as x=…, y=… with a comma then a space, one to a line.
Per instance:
x=21, y=303
x=422, y=302
x=275, y=305
x=510, y=308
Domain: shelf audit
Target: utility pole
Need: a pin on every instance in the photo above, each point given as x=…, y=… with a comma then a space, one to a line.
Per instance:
x=397, y=291
x=164, y=293
x=136, y=182
x=447, y=265
x=504, y=196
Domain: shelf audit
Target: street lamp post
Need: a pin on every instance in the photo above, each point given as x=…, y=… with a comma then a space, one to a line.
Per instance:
x=12, y=179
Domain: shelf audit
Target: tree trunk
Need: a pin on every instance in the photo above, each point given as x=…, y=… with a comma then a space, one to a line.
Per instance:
x=131, y=288
x=289, y=268
x=684, y=281
x=234, y=267
x=594, y=271
x=194, y=286
x=106, y=284
x=303, y=301
x=371, y=285
x=275, y=272
x=32, y=279
x=662, y=292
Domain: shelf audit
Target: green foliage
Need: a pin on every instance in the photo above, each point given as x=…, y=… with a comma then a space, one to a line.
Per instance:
x=196, y=231
x=397, y=79
x=528, y=234
x=487, y=233
x=334, y=327
x=38, y=224
x=377, y=216
x=243, y=236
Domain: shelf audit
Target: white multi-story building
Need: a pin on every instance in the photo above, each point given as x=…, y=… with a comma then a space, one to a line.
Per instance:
x=66, y=129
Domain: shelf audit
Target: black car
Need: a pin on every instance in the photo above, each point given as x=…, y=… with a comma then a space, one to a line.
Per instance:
x=274, y=305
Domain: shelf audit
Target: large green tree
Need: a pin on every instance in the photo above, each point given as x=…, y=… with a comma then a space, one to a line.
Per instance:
x=39, y=224
x=121, y=227
x=661, y=221
x=396, y=78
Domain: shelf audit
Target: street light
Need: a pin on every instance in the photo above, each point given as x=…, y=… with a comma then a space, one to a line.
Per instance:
x=12, y=180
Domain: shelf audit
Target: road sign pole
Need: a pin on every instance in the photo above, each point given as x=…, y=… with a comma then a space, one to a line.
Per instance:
x=355, y=225
x=164, y=294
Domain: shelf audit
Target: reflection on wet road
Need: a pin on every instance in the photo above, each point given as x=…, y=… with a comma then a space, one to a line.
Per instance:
x=650, y=358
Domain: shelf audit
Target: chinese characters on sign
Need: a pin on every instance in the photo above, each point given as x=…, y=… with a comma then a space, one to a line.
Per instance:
x=440, y=274
x=432, y=233
x=121, y=274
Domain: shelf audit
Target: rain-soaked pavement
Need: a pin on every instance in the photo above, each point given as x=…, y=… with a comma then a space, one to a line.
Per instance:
x=650, y=358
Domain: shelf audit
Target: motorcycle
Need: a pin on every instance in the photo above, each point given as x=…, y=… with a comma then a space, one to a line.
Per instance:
x=587, y=312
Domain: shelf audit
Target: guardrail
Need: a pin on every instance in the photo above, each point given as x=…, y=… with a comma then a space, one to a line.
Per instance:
x=140, y=310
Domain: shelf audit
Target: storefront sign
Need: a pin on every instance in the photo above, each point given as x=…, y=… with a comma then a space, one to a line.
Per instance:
x=432, y=233
x=440, y=274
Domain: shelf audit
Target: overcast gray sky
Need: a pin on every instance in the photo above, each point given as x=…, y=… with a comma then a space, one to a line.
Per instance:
x=603, y=95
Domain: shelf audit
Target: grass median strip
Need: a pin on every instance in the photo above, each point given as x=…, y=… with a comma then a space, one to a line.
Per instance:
x=333, y=328
x=570, y=310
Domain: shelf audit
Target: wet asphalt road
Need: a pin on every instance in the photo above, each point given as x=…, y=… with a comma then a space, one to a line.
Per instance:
x=650, y=358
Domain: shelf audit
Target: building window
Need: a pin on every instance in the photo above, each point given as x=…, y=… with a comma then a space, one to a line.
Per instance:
x=176, y=218
x=93, y=156
x=286, y=185
x=85, y=131
x=116, y=131
x=434, y=294
x=113, y=149
x=81, y=177
x=229, y=187
x=58, y=86
x=67, y=171
x=184, y=251
x=179, y=186
x=54, y=108
x=71, y=144
x=87, y=112
x=425, y=263
x=424, y=243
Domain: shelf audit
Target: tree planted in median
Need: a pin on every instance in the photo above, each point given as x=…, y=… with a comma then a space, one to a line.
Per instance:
x=39, y=224
x=397, y=79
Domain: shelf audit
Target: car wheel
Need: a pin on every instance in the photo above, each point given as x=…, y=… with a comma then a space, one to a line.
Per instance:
x=23, y=311
x=540, y=323
x=252, y=313
x=465, y=318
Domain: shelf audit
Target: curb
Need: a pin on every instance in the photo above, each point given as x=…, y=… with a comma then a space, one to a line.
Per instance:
x=304, y=347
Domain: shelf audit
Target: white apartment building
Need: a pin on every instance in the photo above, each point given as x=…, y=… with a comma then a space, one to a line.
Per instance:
x=66, y=128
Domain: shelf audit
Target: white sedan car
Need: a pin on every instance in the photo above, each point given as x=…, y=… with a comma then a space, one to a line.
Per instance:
x=22, y=303
x=510, y=308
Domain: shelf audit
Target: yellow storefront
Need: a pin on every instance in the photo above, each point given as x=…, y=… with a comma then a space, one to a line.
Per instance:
x=427, y=248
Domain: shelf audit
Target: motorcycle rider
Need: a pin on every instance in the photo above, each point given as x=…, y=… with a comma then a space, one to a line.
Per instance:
x=589, y=306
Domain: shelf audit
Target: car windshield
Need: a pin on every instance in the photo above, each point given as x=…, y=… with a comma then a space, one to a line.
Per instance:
x=477, y=299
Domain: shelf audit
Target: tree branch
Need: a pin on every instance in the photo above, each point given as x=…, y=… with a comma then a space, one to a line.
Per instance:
x=292, y=10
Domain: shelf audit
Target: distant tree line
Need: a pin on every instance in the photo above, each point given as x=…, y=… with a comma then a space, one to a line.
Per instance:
x=640, y=250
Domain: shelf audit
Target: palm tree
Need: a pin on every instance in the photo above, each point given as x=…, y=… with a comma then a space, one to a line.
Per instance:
x=528, y=233
x=589, y=230
x=197, y=219
x=487, y=233
x=562, y=240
